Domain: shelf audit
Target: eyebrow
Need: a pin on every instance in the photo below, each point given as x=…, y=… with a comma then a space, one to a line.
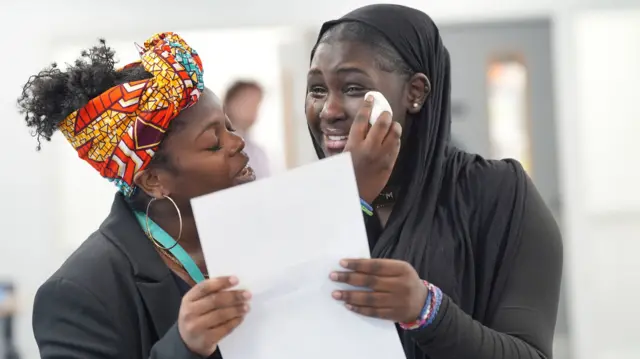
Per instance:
x=314, y=72
x=349, y=70
x=341, y=71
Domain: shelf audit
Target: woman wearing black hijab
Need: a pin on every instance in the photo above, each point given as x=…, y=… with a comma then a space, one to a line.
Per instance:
x=476, y=230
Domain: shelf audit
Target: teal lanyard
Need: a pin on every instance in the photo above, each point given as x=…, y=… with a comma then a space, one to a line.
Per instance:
x=166, y=241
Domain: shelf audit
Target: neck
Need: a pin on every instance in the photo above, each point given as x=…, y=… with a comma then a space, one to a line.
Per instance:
x=167, y=218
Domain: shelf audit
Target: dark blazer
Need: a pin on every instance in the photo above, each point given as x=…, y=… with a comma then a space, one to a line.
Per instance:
x=113, y=298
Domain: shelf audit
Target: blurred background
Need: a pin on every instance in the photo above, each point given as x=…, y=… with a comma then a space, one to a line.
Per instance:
x=553, y=83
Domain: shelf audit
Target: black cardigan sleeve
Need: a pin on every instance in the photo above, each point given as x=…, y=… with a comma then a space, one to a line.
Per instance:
x=69, y=322
x=524, y=324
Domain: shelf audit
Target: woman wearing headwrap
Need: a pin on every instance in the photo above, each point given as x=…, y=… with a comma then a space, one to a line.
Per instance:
x=154, y=130
x=467, y=257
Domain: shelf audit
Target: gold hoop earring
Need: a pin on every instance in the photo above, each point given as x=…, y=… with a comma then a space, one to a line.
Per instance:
x=155, y=241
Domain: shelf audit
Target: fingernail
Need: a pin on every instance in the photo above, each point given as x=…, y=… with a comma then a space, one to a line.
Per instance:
x=349, y=306
x=369, y=98
x=333, y=276
x=246, y=295
x=336, y=295
x=246, y=308
x=233, y=280
x=344, y=263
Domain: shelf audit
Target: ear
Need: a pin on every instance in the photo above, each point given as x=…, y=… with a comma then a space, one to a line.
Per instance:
x=418, y=88
x=148, y=180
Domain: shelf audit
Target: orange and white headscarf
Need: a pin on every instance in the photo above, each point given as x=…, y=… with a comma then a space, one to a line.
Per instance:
x=119, y=131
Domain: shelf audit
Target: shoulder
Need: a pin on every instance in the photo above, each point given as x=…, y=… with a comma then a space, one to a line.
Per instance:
x=482, y=175
x=504, y=184
x=83, y=309
x=485, y=186
x=497, y=188
x=94, y=269
x=94, y=259
x=540, y=234
x=502, y=193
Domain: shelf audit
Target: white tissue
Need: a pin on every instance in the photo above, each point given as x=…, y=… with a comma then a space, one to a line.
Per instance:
x=380, y=105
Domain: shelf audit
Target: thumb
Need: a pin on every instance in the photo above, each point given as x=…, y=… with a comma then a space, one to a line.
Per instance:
x=360, y=125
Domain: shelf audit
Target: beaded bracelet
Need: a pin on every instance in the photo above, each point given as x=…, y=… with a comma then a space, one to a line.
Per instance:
x=430, y=309
x=366, y=207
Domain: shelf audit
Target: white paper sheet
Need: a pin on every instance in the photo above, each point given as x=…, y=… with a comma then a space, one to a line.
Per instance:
x=282, y=236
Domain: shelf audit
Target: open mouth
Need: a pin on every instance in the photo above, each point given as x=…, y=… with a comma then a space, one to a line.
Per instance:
x=335, y=143
x=245, y=175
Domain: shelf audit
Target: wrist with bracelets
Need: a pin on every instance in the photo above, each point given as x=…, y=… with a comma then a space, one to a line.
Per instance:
x=366, y=207
x=429, y=311
x=434, y=294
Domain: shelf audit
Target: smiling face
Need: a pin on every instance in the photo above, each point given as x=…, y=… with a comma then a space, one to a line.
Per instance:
x=341, y=73
x=204, y=155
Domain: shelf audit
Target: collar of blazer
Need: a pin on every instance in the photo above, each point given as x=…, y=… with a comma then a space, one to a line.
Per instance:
x=157, y=287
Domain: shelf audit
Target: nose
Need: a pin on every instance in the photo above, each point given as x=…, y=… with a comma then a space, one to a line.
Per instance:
x=332, y=109
x=237, y=143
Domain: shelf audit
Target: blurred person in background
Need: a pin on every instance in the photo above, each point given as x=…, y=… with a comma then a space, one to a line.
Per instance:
x=138, y=286
x=8, y=311
x=242, y=104
x=467, y=258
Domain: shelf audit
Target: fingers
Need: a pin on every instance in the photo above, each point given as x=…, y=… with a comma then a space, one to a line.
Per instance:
x=382, y=313
x=210, y=286
x=378, y=267
x=220, y=317
x=220, y=300
x=380, y=129
x=364, y=298
x=394, y=136
x=223, y=329
x=379, y=284
x=360, y=125
x=215, y=326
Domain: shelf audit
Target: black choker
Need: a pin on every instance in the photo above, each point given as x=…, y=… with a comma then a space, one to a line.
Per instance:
x=385, y=198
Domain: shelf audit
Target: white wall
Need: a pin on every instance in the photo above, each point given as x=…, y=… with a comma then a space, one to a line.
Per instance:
x=604, y=254
x=599, y=229
x=608, y=49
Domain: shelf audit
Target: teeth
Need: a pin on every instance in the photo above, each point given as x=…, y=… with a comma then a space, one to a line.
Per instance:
x=337, y=138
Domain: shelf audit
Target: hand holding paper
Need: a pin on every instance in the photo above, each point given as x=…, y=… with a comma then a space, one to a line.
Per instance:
x=282, y=237
x=397, y=293
x=209, y=312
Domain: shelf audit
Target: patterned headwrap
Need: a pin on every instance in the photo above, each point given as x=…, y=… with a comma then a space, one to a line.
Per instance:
x=119, y=131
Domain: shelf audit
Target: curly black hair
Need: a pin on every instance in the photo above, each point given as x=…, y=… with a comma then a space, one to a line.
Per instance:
x=52, y=94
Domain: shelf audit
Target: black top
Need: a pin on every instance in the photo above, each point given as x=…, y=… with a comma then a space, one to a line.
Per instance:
x=524, y=321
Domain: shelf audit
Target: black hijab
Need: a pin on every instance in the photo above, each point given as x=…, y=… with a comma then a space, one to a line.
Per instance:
x=457, y=218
